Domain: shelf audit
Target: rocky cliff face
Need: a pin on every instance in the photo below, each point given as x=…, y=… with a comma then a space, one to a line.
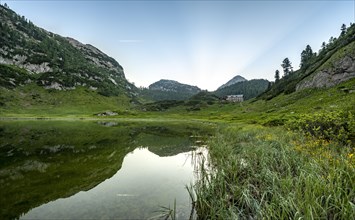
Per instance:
x=53, y=61
x=20, y=61
x=341, y=70
x=334, y=64
x=97, y=57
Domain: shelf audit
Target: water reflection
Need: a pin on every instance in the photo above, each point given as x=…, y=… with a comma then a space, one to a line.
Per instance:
x=136, y=191
x=44, y=161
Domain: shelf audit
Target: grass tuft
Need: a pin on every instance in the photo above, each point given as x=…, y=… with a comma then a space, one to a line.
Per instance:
x=257, y=172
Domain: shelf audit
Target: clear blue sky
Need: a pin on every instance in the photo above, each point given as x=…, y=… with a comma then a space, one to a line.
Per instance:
x=203, y=43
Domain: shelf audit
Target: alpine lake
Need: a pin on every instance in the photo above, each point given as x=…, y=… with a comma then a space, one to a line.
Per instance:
x=99, y=169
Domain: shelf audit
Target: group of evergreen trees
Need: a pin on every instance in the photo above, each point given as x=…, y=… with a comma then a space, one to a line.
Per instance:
x=307, y=56
x=310, y=62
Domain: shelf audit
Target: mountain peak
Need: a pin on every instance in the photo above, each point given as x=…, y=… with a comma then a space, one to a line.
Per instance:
x=234, y=80
x=172, y=85
x=165, y=89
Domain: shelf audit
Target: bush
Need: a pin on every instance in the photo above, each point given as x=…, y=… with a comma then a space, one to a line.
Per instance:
x=335, y=126
x=12, y=76
x=275, y=122
x=194, y=108
x=162, y=105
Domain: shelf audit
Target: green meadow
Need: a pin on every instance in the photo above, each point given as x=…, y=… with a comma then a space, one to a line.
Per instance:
x=291, y=157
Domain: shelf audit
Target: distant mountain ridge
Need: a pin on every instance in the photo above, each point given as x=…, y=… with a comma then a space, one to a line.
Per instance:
x=169, y=90
x=173, y=86
x=249, y=89
x=234, y=80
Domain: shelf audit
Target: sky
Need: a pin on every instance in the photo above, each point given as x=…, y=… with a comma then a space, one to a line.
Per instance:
x=202, y=43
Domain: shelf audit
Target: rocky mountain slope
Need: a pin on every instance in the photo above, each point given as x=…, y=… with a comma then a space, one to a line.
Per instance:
x=234, y=80
x=32, y=55
x=337, y=69
x=169, y=90
x=334, y=64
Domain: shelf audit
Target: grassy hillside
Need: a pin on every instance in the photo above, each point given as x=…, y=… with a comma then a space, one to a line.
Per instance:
x=43, y=74
x=275, y=111
x=32, y=100
x=23, y=101
x=286, y=106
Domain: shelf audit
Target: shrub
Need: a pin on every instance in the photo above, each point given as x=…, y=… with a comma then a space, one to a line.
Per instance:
x=275, y=122
x=336, y=126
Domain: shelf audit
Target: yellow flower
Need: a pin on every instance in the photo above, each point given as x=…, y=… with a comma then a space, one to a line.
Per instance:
x=350, y=155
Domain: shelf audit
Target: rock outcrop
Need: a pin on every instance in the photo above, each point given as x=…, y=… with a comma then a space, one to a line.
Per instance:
x=342, y=70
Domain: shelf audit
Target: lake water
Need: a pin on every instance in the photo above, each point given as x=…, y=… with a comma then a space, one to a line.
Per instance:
x=97, y=170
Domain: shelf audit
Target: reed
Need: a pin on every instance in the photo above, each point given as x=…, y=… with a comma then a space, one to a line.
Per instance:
x=268, y=173
x=166, y=213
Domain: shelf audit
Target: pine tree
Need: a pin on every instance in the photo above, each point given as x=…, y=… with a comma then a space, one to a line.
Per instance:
x=306, y=56
x=277, y=76
x=287, y=67
x=331, y=40
x=343, y=29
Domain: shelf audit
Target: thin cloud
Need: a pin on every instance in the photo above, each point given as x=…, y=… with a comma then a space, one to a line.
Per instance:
x=131, y=41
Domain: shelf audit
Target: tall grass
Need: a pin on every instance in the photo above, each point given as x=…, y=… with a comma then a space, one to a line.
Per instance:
x=264, y=173
x=166, y=213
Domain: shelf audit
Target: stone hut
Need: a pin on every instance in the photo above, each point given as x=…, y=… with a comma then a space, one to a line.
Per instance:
x=235, y=98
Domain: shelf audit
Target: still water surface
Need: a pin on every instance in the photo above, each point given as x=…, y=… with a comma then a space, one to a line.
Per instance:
x=85, y=170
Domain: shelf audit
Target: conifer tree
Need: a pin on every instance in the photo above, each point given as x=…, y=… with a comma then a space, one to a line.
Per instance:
x=306, y=56
x=343, y=29
x=277, y=76
x=287, y=67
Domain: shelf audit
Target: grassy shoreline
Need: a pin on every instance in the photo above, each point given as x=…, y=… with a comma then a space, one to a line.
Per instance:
x=261, y=172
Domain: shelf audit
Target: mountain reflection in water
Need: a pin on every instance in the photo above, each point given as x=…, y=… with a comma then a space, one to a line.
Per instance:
x=90, y=170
